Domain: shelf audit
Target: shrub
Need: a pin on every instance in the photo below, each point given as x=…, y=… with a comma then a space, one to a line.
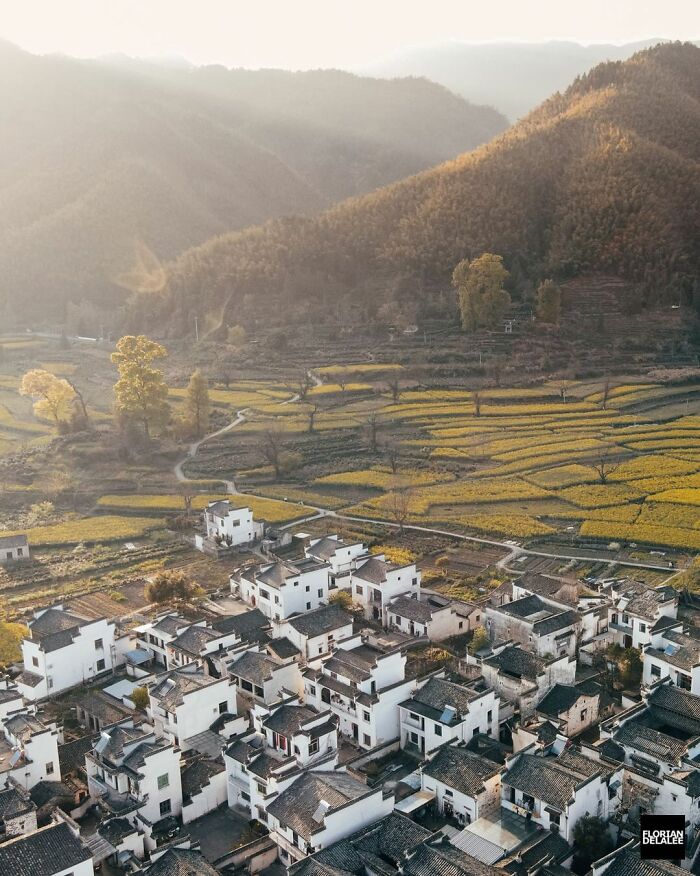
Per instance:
x=140, y=698
x=169, y=585
x=480, y=640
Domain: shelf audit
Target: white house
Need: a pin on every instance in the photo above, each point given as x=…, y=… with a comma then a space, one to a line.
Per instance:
x=54, y=850
x=441, y=711
x=135, y=774
x=64, y=650
x=281, y=589
x=13, y=549
x=185, y=702
x=636, y=608
x=554, y=792
x=203, y=787
x=257, y=675
x=362, y=684
x=229, y=525
x=155, y=636
x=202, y=644
x=17, y=813
x=28, y=751
x=672, y=653
x=298, y=731
x=376, y=582
x=341, y=556
x=431, y=616
x=10, y=698
x=319, y=808
x=572, y=708
x=317, y=632
x=466, y=786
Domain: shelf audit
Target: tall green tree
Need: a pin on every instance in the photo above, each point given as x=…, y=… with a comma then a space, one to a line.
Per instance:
x=548, y=302
x=141, y=392
x=482, y=299
x=197, y=403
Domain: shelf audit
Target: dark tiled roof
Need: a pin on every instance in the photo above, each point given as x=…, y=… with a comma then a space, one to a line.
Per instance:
x=289, y=719
x=194, y=639
x=31, y=679
x=651, y=742
x=460, y=769
x=198, y=773
x=437, y=694
x=513, y=660
x=7, y=695
x=71, y=755
x=45, y=852
x=282, y=648
x=562, y=697
x=170, y=624
x=13, y=541
x=248, y=625
x=325, y=548
x=12, y=804
x=171, y=688
x=276, y=574
x=556, y=622
x=56, y=628
x=628, y=863
x=664, y=623
x=50, y=792
x=114, y=830
x=526, y=607
x=413, y=609
x=443, y=859
x=104, y=707
x=266, y=764
x=374, y=571
x=182, y=862
x=320, y=621
x=553, y=780
x=253, y=666
x=299, y=803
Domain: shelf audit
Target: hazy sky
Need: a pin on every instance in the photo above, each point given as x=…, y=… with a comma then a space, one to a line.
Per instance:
x=325, y=33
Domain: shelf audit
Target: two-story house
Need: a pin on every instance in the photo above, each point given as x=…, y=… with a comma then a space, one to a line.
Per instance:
x=442, y=711
x=187, y=701
x=317, y=632
x=546, y=630
x=263, y=677
x=28, y=750
x=281, y=589
x=135, y=775
x=362, y=683
x=636, y=608
x=201, y=644
x=674, y=653
x=155, y=636
x=54, y=850
x=431, y=616
x=228, y=524
x=319, y=808
x=466, y=786
x=62, y=651
x=376, y=582
x=340, y=555
x=554, y=792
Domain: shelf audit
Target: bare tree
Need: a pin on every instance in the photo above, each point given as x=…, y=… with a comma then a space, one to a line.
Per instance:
x=304, y=384
x=342, y=378
x=399, y=503
x=372, y=429
x=394, y=387
x=605, y=396
x=392, y=456
x=187, y=496
x=604, y=465
x=311, y=414
x=476, y=398
x=80, y=400
x=272, y=448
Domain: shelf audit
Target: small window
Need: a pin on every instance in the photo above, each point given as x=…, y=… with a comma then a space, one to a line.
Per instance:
x=461, y=624
x=35, y=661
x=259, y=692
x=49, y=768
x=448, y=793
x=655, y=670
x=642, y=628
x=308, y=606
x=223, y=707
x=358, y=589
x=312, y=690
x=20, y=552
x=320, y=591
x=100, y=665
x=489, y=716
x=438, y=730
x=367, y=739
x=584, y=713
x=308, y=588
x=98, y=645
x=313, y=746
x=366, y=715
x=165, y=807
x=163, y=781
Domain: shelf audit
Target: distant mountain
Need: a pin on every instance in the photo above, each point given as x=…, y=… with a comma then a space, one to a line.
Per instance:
x=109, y=167
x=513, y=77
x=605, y=177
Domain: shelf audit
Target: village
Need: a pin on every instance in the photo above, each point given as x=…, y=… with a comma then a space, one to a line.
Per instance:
x=328, y=713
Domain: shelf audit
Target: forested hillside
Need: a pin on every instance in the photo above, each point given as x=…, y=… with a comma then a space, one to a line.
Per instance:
x=107, y=168
x=605, y=177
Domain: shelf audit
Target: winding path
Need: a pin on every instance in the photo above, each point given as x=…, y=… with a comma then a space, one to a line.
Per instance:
x=513, y=549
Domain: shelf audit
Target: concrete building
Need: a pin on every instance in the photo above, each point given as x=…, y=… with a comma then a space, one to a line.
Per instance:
x=64, y=650
x=674, y=653
x=13, y=549
x=466, y=786
x=545, y=630
x=431, y=616
x=28, y=751
x=317, y=632
x=636, y=608
x=282, y=589
x=376, y=582
x=340, y=555
x=228, y=525
x=261, y=677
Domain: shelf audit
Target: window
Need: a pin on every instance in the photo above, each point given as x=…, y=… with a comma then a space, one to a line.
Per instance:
x=642, y=628
x=163, y=781
x=366, y=715
x=223, y=707
x=438, y=730
x=655, y=671
x=100, y=665
x=308, y=606
x=20, y=552
x=461, y=624
x=49, y=768
x=51, y=682
x=683, y=681
x=613, y=618
x=98, y=645
x=313, y=746
x=308, y=588
x=264, y=594
x=584, y=713
x=259, y=692
x=476, y=731
x=165, y=807
x=312, y=690
x=277, y=600
x=358, y=589
x=246, y=796
x=448, y=793
x=262, y=789
x=320, y=591
x=489, y=716
x=366, y=739
x=35, y=661
x=321, y=649
x=625, y=618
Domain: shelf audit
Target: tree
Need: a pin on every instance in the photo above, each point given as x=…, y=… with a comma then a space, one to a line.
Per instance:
x=140, y=698
x=311, y=414
x=476, y=398
x=40, y=512
x=236, y=336
x=53, y=395
x=605, y=395
x=399, y=503
x=394, y=386
x=604, y=465
x=82, y=418
x=548, y=302
x=197, y=403
x=630, y=666
x=372, y=429
x=391, y=451
x=591, y=838
x=304, y=384
x=171, y=584
x=342, y=378
x=480, y=640
x=482, y=299
x=141, y=392
x=272, y=448
x=342, y=599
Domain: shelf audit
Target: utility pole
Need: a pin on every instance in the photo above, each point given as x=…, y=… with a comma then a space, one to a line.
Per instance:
x=196, y=329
